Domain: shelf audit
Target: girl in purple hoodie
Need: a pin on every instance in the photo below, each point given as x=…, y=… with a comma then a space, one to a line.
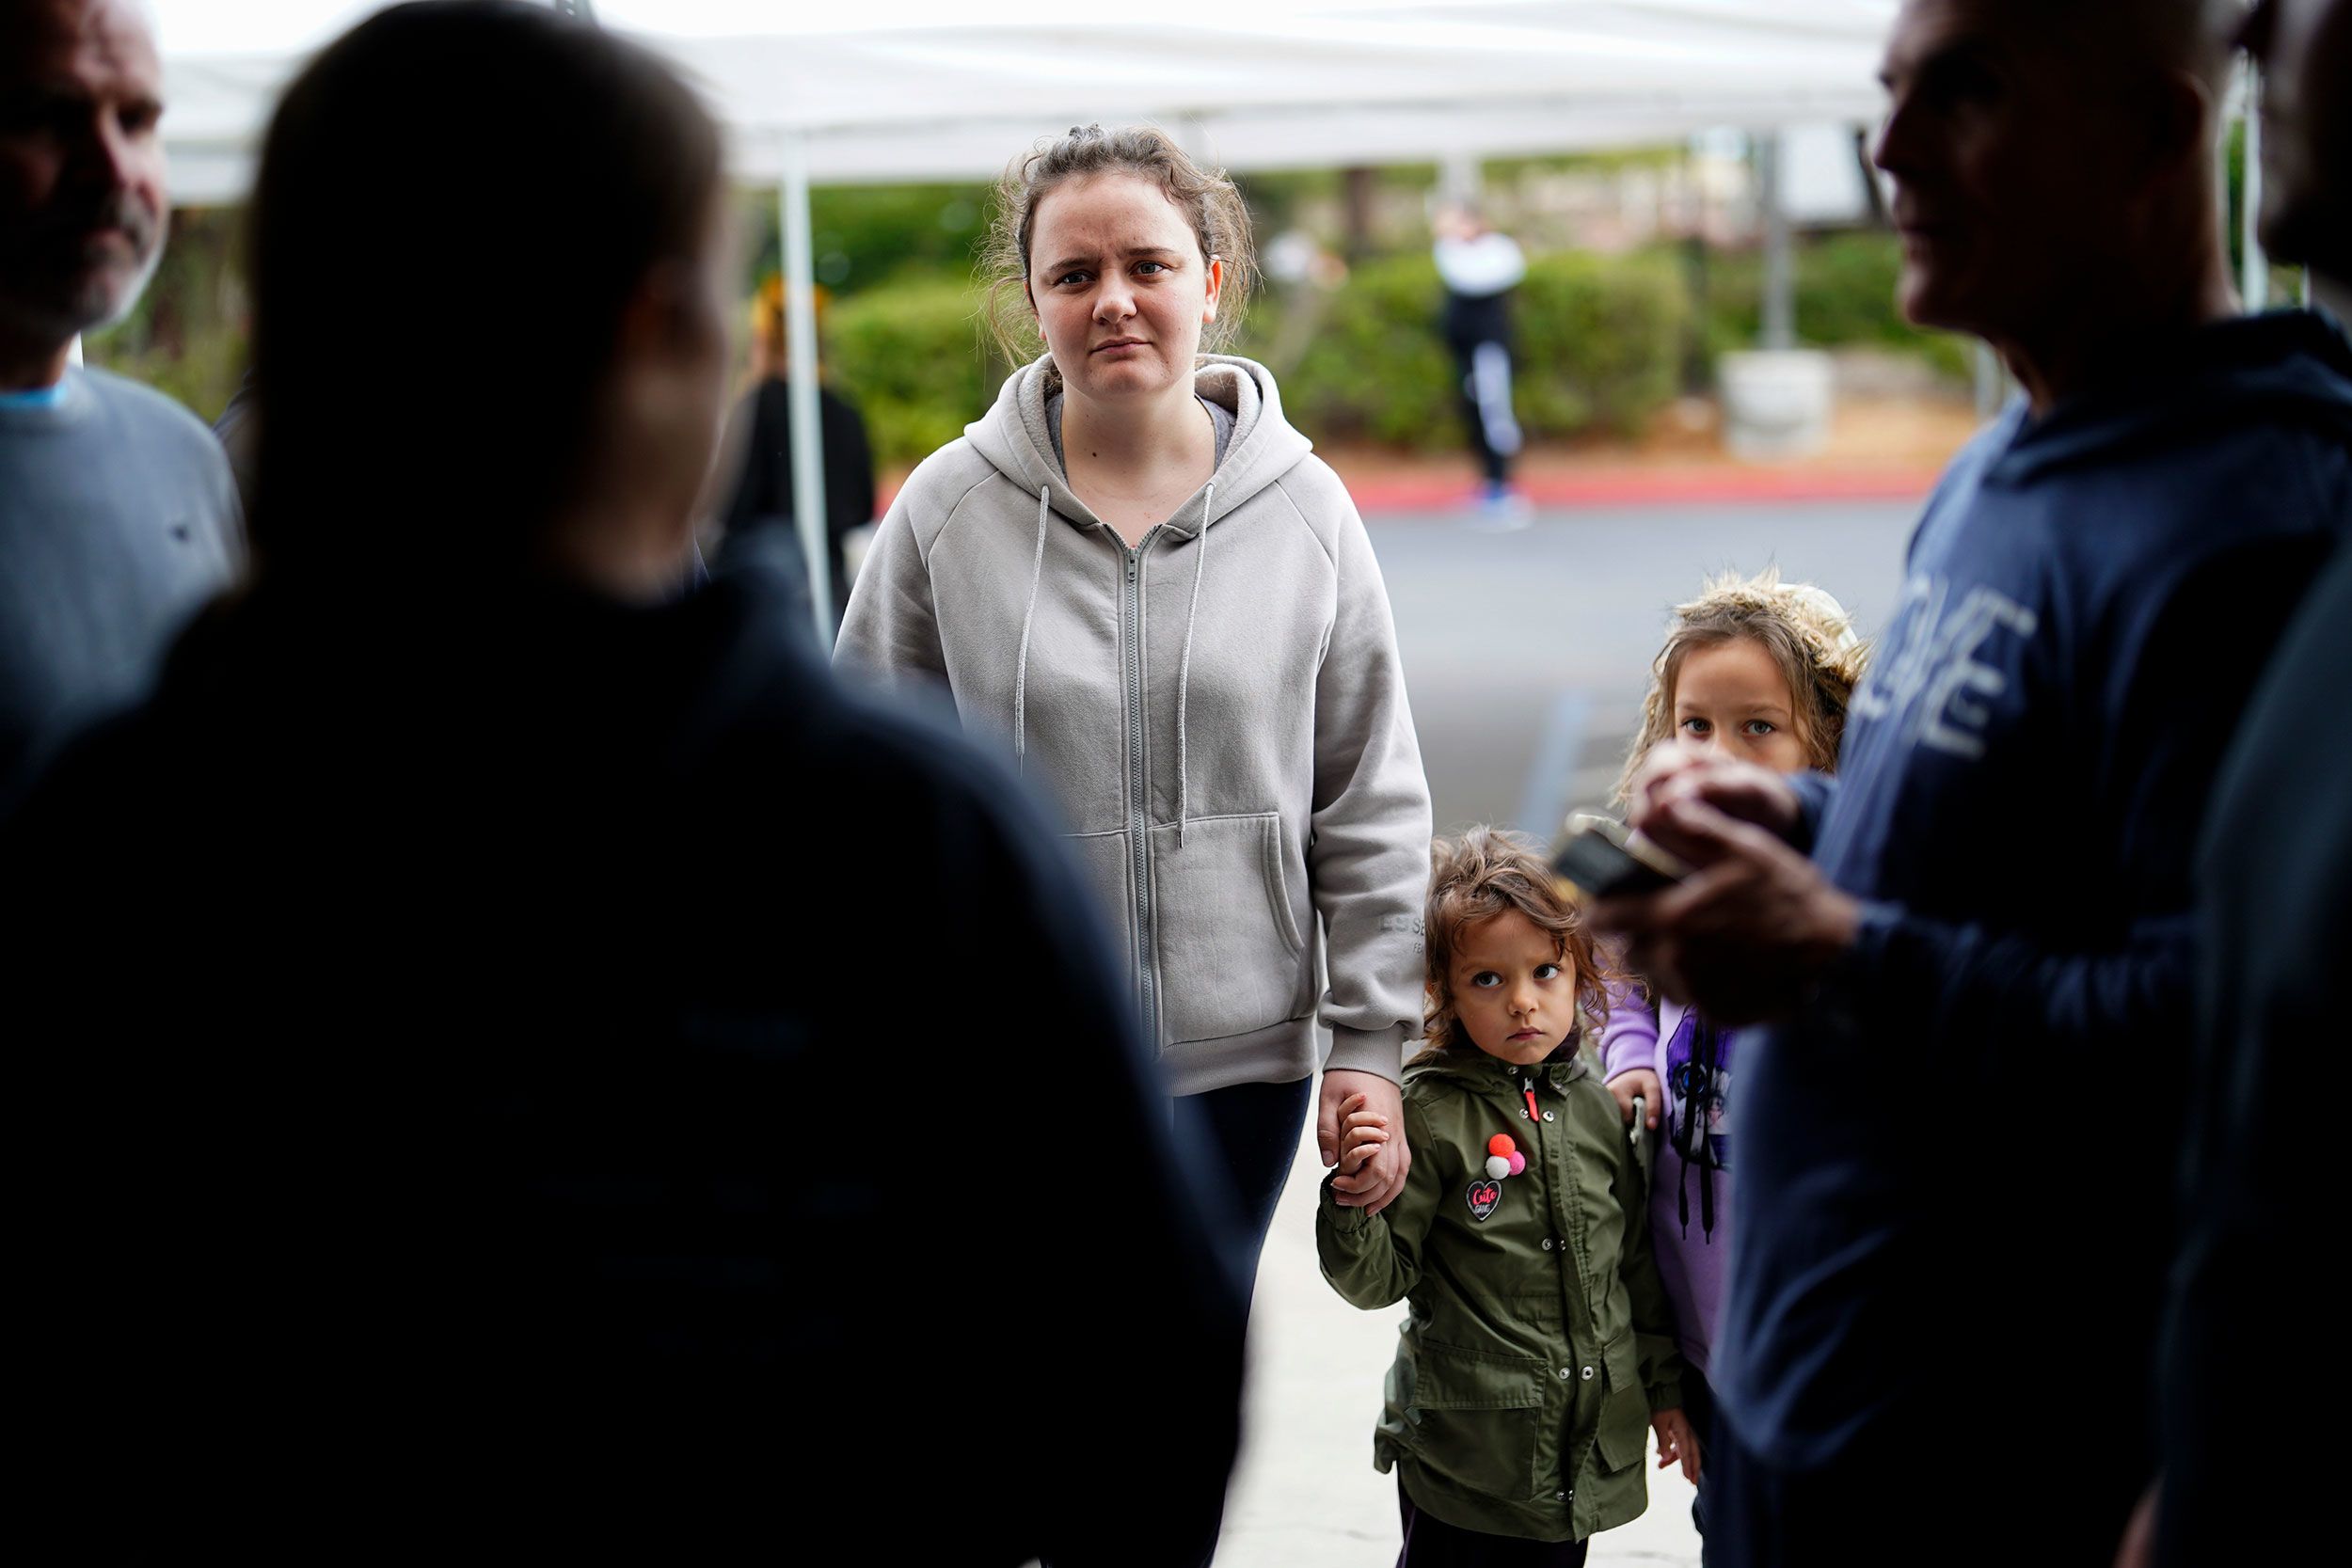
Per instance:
x=1761, y=669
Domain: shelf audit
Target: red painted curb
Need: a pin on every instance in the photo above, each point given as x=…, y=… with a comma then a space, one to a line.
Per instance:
x=1637, y=487
x=1659, y=487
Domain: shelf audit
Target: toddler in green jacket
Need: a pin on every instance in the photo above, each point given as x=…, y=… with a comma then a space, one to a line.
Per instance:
x=1539, y=1350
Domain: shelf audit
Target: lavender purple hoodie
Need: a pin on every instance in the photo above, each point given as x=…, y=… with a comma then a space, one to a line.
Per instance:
x=1690, y=1252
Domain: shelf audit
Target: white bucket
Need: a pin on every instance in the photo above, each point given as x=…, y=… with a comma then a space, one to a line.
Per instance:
x=1776, y=402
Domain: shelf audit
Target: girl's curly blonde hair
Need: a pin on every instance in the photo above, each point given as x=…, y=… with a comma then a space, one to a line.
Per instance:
x=1808, y=634
x=1485, y=873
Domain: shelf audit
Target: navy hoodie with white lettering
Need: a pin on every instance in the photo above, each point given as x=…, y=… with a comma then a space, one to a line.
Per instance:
x=1955, y=1185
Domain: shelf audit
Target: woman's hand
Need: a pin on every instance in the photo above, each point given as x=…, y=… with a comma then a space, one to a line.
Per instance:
x=1642, y=1083
x=1676, y=1443
x=1374, y=1186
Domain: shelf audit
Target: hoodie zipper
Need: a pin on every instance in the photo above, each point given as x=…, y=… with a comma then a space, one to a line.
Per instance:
x=1139, y=802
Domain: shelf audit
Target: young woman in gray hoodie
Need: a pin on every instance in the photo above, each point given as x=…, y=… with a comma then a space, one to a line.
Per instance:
x=1137, y=574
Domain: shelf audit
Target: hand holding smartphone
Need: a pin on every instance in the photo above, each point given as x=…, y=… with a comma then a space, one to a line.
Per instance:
x=1599, y=858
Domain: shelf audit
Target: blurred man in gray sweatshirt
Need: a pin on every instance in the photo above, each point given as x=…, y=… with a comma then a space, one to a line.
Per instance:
x=117, y=517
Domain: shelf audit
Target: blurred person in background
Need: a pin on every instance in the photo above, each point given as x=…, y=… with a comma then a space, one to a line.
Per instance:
x=1959, y=1132
x=1480, y=267
x=117, y=518
x=758, y=515
x=401, y=1163
x=2276, y=875
x=1135, y=571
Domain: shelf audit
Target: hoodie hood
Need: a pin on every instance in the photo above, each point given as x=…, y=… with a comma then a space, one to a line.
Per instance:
x=2284, y=368
x=1014, y=436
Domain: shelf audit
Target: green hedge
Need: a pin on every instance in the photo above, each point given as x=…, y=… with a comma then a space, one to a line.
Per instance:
x=1599, y=341
x=911, y=358
x=1845, y=297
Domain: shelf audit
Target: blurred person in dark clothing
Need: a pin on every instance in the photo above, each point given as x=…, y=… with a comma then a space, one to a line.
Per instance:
x=1957, y=1133
x=403, y=1156
x=2276, y=876
x=759, y=517
x=116, y=516
x=1480, y=267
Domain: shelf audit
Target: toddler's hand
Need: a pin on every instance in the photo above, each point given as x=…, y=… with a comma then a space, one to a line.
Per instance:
x=1676, y=1443
x=1382, y=1178
x=1638, y=1081
x=1362, y=1134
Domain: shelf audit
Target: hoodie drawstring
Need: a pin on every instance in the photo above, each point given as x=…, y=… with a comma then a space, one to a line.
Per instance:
x=1028, y=618
x=1183, y=665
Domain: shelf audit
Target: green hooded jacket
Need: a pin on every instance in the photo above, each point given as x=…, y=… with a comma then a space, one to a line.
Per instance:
x=1539, y=1339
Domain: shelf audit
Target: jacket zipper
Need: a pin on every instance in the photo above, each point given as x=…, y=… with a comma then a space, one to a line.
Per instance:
x=1138, y=801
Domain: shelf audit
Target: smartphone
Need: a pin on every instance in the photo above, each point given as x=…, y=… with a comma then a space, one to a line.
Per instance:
x=1599, y=858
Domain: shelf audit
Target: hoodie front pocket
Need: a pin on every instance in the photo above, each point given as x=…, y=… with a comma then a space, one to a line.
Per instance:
x=1232, y=959
x=1106, y=858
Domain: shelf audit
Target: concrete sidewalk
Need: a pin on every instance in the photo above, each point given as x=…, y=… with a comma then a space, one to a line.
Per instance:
x=1306, y=1495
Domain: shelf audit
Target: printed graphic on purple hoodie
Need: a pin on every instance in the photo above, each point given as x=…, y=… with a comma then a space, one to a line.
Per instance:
x=1691, y=1178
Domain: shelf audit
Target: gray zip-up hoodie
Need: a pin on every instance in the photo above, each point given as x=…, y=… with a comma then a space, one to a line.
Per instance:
x=1220, y=712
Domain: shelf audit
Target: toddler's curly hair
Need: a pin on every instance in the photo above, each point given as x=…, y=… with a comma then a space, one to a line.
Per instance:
x=1485, y=873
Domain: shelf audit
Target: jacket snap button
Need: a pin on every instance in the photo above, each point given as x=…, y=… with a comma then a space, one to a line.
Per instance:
x=1587, y=1374
x=1560, y=1497
x=1546, y=1243
x=1549, y=1116
x=1563, y=1374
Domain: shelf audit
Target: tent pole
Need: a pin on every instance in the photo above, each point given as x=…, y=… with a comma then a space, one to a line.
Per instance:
x=799, y=336
x=1460, y=177
x=2255, y=276
x=1780, y=285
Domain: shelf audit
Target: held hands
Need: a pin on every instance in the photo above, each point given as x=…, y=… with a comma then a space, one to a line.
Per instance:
x=1676, y=1443
x=1362, y=1134
x=1374, y=1182
x=1637, y=1083
x=1746, y=932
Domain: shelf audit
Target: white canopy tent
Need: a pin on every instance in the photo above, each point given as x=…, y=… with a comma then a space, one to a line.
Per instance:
x=909, y=89
x=917, y=89
x=913, y=90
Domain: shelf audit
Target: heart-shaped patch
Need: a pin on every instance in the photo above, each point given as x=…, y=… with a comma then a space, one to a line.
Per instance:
x=1483, y=1197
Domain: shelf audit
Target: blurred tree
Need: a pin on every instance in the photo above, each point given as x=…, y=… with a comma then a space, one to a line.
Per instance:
x=2286, y=283
x=1845, y=298
x=186, y=336
x=865, y=237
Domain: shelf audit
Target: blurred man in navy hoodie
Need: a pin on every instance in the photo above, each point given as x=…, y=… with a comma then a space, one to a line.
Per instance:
x=2276, y=869
x=1958, y=1137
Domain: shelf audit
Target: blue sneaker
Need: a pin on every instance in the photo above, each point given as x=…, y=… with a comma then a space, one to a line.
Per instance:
x=1500, y=509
